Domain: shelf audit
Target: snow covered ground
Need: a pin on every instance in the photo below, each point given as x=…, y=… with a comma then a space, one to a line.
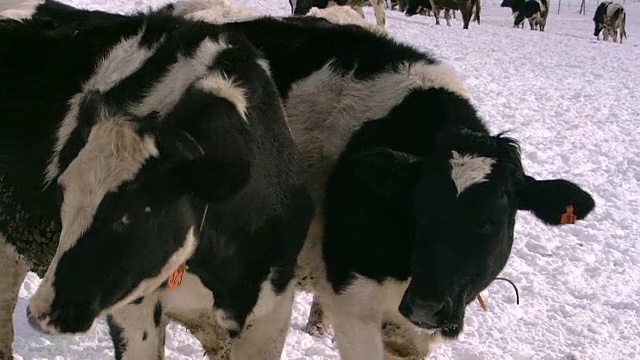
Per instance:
x=574, y=103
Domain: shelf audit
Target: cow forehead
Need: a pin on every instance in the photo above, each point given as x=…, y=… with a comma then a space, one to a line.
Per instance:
x=113, y=154
x=468, y=169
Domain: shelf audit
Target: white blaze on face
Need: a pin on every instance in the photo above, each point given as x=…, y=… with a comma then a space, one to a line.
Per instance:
x=114, y=153
x=167, y=92
x=467, y=170
x=224, y=87
x=124, y=59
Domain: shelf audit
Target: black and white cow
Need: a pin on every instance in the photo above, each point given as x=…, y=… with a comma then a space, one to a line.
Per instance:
x=610, y=17
x=302, y=7
x=468, y=8
x=176, y=150
x=536, y=11
x=356, y=109
x=416, y=208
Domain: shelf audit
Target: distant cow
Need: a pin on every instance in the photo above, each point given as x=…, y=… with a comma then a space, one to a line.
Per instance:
x=611, y=17
x=466, y=7
x=355, y=110
x=302, y=7
x=535, y=11
x=173, y=152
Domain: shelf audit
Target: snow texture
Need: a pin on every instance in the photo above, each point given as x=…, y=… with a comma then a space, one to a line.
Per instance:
x=574, y=103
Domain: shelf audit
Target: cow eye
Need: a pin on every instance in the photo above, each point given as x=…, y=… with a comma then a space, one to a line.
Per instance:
x=122, y=223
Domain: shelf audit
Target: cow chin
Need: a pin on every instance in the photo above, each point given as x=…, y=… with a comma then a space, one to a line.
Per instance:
x=71, y=320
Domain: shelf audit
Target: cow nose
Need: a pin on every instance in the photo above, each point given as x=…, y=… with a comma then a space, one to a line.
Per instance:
x=41, y=322
x=421, y=313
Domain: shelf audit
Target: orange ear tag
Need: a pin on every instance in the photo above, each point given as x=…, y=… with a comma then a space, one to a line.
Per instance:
x=482, y=303
x=176, y=278
x=569, y=217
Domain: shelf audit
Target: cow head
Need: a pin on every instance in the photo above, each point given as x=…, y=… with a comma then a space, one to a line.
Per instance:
x=133, y=193
x=514, y=5
x=413, y=6
x=464, y=198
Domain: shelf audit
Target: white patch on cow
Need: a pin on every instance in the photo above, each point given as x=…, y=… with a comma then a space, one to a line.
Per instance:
x=148, y=285
x=226, y=321
x=358, y=324
x=135, y=320
x=192, y=301
x=267, y=298
x=166, y=93
x=346, y=15
x=222, y=86
x=264, y=336
x=360, y=320
x=214, y=11
x=467, y=170
x=264, y=63
x=14, y=269
x=123, y=60
x=18, y=9
x=147, y=209
x=114, y=153
x=326, y=108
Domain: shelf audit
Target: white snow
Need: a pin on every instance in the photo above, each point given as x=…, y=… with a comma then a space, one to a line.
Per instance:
x=574, y=103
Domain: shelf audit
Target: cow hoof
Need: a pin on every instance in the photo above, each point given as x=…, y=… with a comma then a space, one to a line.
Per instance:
x=318, y=329
x=6, y=355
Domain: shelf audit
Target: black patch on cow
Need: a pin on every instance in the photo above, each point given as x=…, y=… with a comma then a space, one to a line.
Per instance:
x=157, y=314
x=117, y=337
x=138, y=301
x=145, y=334
x=392, y=218
x=312, y=43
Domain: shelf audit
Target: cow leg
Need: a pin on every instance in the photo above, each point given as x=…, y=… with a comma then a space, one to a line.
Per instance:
x=12, y=273
x=447, y=16
x=315, y=324
x=356, y=317
x=138, y=329
x=436, y=12
x=264, y=336
x=378, y=10
x=466, y=16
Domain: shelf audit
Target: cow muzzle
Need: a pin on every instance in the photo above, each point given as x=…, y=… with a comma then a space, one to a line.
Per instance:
x=72, y=321
x=430, y=316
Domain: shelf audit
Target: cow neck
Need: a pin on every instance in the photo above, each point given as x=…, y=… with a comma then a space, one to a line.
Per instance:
x=175, y=279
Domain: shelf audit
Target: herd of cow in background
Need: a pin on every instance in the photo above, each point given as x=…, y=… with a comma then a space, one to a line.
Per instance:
x=609, y=16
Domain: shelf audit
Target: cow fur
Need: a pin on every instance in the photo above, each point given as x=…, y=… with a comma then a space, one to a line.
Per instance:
x=611, y=18
x=344, y=15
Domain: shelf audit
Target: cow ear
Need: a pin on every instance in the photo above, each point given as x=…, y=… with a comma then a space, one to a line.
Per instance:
x=549, y=200
x=389, y=173
x=209, y=177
